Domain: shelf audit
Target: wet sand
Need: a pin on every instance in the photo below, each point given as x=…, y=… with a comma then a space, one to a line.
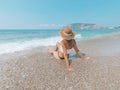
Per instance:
x=36, y=70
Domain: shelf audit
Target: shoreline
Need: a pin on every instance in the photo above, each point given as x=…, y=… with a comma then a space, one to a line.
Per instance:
x=36, y=69
x=80, y=40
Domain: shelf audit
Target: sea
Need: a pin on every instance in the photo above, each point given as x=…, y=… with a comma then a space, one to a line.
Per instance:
x=21, y=39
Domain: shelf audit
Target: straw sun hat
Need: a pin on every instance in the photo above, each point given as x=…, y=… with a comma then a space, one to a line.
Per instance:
x=67, y=33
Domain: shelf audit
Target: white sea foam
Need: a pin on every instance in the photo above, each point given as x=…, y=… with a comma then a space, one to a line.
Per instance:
x=20, y=45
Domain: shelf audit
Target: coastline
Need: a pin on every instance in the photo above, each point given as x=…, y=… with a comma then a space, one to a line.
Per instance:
x=35, y=69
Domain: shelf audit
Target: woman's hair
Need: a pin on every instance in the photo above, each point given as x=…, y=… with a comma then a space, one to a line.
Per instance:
x=69, y=40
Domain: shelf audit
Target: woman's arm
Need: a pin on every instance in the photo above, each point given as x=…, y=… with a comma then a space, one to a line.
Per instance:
x=77, y=50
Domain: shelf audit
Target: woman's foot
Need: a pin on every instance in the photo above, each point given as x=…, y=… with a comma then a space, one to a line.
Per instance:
x=54, y=54
x=50, y=51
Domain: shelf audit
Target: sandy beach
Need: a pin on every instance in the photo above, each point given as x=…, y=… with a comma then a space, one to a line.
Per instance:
x=35, y=69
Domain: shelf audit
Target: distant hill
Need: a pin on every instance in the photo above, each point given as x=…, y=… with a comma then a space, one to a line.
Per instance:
x=118, y=27
x=86, y=26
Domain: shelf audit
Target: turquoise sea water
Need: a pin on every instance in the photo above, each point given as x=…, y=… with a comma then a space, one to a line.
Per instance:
x=16, y=40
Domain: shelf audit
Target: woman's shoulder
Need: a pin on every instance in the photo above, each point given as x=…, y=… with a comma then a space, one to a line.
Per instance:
x=63, y=41
x=74, y=42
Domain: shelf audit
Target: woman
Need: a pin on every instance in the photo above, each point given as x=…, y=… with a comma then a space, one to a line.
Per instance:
x=62, y=48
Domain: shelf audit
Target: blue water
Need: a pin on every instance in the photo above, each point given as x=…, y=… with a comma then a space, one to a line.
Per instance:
x=16, y=40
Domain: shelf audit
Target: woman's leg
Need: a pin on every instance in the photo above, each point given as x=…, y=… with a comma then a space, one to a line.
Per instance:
x=55, y=49
x=56, y=53
x=60, y=54
x=57, y=46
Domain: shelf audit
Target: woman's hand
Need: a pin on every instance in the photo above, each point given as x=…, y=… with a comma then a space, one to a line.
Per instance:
x=70, y=68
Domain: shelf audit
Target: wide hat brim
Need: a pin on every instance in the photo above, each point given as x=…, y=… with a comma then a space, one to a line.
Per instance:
x=68, y=37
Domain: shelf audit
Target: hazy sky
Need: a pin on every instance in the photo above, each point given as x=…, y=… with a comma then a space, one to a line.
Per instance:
x=54, y=13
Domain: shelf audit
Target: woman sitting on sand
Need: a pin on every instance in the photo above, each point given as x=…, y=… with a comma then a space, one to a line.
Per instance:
x=62, y=48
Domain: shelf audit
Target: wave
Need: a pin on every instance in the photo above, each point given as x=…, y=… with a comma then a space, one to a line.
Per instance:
x=22, y=45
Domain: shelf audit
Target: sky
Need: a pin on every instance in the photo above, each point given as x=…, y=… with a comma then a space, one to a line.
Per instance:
x=57, y=13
